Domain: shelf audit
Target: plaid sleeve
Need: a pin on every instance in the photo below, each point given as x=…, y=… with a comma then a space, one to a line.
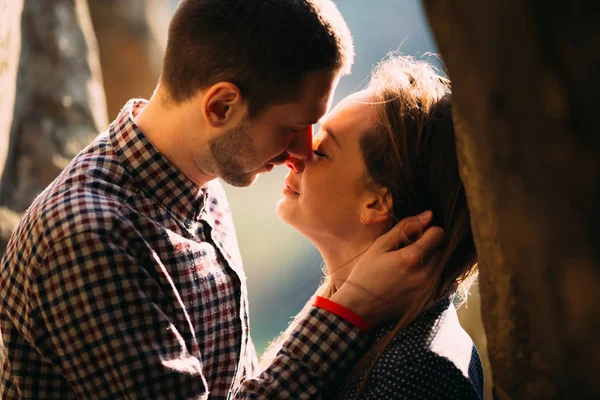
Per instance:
x=320, y=348
x=99, y=322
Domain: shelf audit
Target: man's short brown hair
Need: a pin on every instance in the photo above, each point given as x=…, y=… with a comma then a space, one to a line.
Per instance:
x=265, y=47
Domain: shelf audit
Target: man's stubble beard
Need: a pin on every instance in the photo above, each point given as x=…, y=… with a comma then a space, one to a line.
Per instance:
x=229, y=149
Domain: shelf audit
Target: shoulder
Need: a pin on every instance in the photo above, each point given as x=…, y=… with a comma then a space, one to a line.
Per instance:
x=77, y=227
x=432, y=358
x=88, y=196
x=427, y=377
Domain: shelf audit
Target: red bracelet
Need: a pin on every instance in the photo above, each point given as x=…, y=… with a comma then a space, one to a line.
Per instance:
x=342, y=312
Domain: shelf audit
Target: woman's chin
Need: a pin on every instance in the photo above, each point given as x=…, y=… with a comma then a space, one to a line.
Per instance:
x=284, y=211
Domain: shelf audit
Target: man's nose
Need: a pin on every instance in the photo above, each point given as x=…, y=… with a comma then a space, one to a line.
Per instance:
x=301, y=145
x=294, y=164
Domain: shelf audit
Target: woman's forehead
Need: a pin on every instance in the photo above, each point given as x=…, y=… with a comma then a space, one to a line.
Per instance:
x=352, y=114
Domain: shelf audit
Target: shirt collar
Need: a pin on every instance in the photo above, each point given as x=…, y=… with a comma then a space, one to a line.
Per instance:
x=153, y=173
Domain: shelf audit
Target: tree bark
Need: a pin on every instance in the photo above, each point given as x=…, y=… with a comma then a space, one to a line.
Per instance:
x=136, y=31
x=525, y=78
x=59, y=105
x=10, y=44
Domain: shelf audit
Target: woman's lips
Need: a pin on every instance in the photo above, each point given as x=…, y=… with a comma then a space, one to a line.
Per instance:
x=289, y=188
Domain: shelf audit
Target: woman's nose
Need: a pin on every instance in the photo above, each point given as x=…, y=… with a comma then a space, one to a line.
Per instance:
x=294, y=164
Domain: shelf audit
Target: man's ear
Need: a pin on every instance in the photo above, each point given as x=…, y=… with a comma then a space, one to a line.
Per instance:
x=222, y=103
x=377, y=206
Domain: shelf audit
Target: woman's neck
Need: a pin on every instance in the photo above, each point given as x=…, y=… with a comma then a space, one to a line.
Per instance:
x=340, y=256
x=342, y=248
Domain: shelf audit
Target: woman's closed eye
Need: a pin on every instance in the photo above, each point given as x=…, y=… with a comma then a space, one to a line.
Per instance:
x=319, y=154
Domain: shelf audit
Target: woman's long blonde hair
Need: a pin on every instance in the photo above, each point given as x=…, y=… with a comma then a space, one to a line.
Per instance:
x=411, y=151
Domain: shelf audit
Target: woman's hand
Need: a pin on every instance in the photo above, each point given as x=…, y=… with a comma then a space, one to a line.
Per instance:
x=385, y=279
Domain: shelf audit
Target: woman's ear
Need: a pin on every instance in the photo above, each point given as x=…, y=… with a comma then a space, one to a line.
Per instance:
x=222, y=103
x=377, y=207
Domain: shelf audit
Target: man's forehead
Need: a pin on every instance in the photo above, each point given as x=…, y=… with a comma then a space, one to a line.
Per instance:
x=316, y=109
x=317, y=94
x=304, y=112
x=317, y=114
x=312, y=103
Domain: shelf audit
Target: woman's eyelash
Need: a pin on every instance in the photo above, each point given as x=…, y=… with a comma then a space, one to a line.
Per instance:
x=318, y=153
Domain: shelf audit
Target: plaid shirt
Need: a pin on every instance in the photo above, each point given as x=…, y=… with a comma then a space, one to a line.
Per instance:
x=124, y=280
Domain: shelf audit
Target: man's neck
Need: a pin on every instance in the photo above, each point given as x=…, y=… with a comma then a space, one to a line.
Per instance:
x=168, y=128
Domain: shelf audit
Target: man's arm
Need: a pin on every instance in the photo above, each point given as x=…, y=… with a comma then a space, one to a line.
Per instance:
x=320, y=347
x=109, y=339
x=101, y=330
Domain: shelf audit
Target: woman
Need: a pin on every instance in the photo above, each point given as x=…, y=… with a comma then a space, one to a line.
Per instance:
x=382, y=154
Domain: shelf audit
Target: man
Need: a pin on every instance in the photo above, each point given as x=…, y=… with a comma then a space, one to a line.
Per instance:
x=124, y=280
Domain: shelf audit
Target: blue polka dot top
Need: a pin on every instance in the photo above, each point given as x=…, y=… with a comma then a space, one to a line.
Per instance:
x=432, y=358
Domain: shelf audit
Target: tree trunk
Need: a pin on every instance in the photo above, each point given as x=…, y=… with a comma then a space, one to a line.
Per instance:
x=10, y=45
x=525, y=77
x=136, y=31
x=59, y=105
